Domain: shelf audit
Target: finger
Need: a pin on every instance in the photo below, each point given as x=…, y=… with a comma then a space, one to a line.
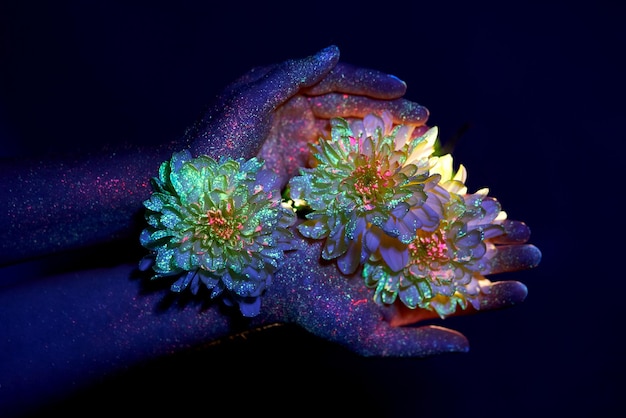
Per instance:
x=239, y=123
x=339, y=105
x=257, y=74
x=252, y=76
x=286, y=79
x=511, y=258
x=515, y=232
x=343, y=78
x=501, y=295
x=349, y=79
x=387, y=341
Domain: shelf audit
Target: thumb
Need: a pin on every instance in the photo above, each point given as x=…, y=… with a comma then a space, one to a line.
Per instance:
x=240, y=120
x=424, y=341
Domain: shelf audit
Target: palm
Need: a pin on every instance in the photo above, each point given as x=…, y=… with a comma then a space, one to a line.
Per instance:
x=340, y=309
x=312, y=292
x=315, y=295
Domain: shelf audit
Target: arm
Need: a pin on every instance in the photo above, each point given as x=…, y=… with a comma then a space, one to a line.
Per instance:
x=65, y=331
x=69, y=202
x=64, y=204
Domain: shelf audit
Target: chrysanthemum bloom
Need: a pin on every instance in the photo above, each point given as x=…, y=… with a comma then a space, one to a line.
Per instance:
x=445, y=266
x=369, y=176
x=221, y=223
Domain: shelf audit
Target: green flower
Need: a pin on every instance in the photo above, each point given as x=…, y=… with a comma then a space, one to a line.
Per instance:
x=217, y=223
x=368, y=177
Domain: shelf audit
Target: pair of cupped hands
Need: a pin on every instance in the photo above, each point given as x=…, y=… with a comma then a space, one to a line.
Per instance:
x=274, y=112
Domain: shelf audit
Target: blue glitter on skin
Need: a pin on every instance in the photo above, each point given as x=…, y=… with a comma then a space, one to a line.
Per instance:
x=78, y=327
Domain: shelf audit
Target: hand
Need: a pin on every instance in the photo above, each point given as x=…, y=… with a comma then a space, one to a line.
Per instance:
x=340, y=308
x=89, y=200
x=293, y=111
x=318, y=296
x=275, y=111
x=270, y=108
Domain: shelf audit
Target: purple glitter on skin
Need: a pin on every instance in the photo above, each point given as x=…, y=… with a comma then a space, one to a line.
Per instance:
x=67, y=203
x=68, y=331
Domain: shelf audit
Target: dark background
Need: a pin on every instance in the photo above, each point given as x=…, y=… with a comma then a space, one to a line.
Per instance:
x=539, y=86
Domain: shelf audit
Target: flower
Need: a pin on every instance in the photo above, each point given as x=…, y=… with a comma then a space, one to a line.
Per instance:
x=445, y=266
x=369, y=178
x=219, y=223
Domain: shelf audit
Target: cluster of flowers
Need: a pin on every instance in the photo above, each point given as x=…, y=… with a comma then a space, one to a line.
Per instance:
x=385, y=204
x=383, y=201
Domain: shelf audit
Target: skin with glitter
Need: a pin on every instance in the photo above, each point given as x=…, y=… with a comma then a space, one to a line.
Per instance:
x=106, y=319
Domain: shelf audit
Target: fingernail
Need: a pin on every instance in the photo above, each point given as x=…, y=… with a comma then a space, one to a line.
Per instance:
x=396, y=78
x=457, y=343
x=441, y=339
x=516, y=231
x=328, y=53
x=506, y=293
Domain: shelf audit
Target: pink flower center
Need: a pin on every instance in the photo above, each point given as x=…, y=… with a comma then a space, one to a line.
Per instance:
x=428, y=248
x=220, y=227
x=370, y=179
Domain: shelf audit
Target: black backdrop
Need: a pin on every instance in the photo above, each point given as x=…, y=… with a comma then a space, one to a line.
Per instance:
x=540, y=86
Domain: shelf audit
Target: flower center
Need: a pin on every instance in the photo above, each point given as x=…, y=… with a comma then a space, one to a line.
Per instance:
x=219, y=227
x=429, y=248
x=370, y=180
